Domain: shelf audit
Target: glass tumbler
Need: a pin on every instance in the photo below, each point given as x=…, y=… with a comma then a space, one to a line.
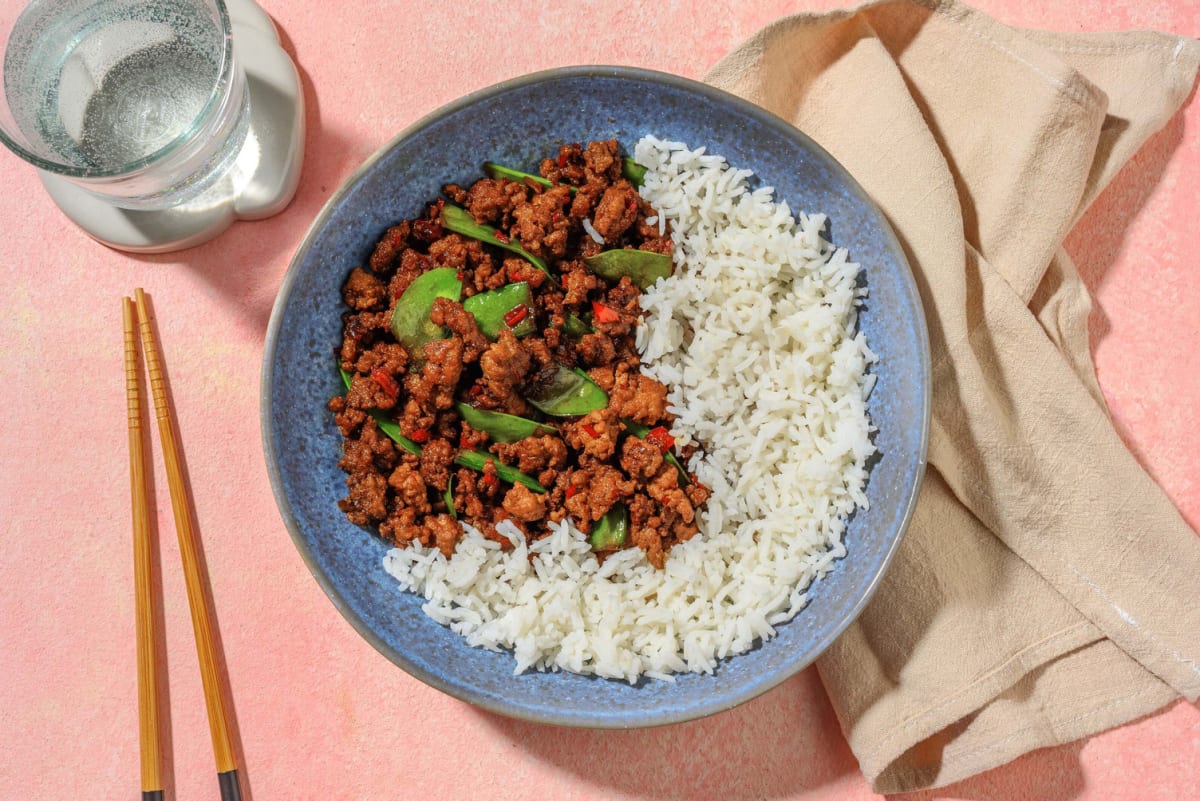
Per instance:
x=139, y=103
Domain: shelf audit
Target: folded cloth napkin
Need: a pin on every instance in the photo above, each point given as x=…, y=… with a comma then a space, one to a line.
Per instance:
x=1047, y=588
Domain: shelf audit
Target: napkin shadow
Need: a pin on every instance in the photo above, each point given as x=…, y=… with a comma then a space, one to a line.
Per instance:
x=1024, y=778
x=776, y=746
x=1098, y=239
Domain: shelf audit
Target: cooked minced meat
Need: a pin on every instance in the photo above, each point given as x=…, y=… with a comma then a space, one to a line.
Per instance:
x=579, y=466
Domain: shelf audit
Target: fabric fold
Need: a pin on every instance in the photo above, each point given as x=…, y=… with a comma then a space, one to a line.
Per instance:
x=1047, y=587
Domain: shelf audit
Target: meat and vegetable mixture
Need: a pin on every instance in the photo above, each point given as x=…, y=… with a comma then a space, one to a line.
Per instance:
x=491, y=373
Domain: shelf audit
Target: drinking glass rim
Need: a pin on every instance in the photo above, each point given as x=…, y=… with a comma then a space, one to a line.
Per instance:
x=223, y=79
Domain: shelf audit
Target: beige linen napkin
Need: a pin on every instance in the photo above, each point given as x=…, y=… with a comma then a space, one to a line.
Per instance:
x=1047, y=588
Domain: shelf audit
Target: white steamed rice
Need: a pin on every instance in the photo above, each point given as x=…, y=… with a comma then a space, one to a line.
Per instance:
x=755, y=335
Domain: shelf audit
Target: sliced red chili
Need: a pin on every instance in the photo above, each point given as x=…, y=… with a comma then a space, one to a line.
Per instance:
x=490, y=479
x=516, y=315
x=500, y=236
x=572, y=490
x=660, y=438
x=591, y=430
x=604, y=314
x=420, y=435
x=386, y=382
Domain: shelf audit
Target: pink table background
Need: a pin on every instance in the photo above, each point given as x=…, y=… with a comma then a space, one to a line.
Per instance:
x=319, y=713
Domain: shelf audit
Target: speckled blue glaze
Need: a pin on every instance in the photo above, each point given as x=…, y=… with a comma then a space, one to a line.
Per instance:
x=517, y=123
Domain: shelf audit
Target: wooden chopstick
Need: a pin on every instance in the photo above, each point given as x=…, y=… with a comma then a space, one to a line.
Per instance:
x=147, y=659
x=197, y=590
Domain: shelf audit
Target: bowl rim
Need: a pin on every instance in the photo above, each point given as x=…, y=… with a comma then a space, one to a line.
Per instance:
x=558, y=717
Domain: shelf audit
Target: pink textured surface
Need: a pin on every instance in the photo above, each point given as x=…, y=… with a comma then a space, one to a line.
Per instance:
x=319, y=713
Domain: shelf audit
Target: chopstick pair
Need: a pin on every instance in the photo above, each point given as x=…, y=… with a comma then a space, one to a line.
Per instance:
x=151, y=756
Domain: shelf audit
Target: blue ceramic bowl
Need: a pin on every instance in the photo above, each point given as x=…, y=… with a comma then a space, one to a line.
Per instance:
x=517, y=123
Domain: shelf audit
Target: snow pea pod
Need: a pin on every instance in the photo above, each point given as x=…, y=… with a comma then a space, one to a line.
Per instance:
x=576, y=326
x=388, y=427
x=477, y=459
x=610, y=531
x=460, y=221
x=502, y=427
x=635, y=173
x=495, y=308
x=640, y=431
x=410, y=320
x=448, y=497
x=569, y=393
x=642, y=266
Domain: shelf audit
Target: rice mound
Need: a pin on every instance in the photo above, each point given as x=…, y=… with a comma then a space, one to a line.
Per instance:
x=756, y=336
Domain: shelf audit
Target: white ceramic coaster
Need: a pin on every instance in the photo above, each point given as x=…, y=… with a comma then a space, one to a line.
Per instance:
x=263, y=180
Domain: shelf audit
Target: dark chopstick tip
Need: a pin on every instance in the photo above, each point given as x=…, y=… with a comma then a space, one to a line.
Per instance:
x=229, y=786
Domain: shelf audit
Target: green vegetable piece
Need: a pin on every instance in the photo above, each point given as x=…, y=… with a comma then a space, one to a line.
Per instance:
x=610, y=531
x=491, y=307
x=502, y=427
x=576, y=326
x=640, y=431
x=495, y=170
x=635, y=173
x=460, y=221
x=477, y=459
x=448, y=497
x=388, y=427
x=642, y=266
x=410, y=320
x=570, y=393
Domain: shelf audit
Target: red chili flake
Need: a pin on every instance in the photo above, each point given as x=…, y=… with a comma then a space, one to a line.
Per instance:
x=660, y=438
x=420, y=435
x=556, y=216
x=572, y=490
x=459, y=274
x=386, y=382
x=475, y=391
x=500, y=236
x=490, y=479
x=516, y=315
x=631, y=203
x=463, y=441
x=562, y=158
x=591, y=430
x=604, y=314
